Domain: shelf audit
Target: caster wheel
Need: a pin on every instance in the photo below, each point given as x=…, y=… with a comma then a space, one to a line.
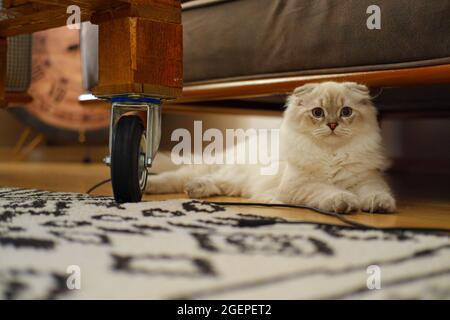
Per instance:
x=128, y=170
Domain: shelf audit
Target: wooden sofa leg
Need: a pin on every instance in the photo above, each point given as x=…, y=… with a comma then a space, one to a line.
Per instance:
x=142, y=53
x=3, y=50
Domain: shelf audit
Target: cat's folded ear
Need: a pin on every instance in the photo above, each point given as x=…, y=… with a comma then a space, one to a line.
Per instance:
x=360, y=89
x=356, y=87
x=304, y=89
x=299, y=92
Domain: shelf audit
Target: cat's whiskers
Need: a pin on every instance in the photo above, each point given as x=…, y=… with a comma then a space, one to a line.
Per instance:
x=344, y=131
x=319, y=132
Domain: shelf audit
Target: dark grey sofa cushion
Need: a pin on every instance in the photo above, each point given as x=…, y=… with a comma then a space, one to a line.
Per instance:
x=245, y=38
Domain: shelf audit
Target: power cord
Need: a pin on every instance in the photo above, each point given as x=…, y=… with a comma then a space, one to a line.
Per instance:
x=282, y=205
x=330, y=214
x=104, y=182
x=336, y=215
x=97, y=185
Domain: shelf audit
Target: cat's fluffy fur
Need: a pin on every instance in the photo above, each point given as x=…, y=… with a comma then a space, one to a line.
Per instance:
x=337, y=171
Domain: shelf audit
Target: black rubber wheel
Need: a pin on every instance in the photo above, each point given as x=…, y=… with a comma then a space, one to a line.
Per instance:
x=128, y=170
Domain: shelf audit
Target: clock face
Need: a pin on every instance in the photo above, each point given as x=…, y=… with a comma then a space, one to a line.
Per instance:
x=56, y=84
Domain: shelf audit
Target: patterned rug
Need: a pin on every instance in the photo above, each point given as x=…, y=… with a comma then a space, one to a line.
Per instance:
x=73, y=246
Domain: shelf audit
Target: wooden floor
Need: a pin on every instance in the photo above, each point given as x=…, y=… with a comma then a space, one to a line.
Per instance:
x=419, y=205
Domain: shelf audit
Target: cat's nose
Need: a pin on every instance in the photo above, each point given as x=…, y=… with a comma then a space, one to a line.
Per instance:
x=332, y=125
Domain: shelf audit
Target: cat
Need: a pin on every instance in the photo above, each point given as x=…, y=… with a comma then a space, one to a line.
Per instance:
x=330, y=157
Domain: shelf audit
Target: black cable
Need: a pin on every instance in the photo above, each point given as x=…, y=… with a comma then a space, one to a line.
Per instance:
x=97, y=185
x=105, y=181
x=331, y=214
x=282, y=205
x=298, y=206
x=377, y=95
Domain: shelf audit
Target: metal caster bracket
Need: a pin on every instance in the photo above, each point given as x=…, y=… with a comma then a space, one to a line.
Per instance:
x=122, y=106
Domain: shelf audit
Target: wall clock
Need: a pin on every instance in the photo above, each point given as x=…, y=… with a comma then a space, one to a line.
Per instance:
x=55, y=88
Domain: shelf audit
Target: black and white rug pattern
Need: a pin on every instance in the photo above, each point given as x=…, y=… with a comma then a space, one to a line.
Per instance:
x=188, y=249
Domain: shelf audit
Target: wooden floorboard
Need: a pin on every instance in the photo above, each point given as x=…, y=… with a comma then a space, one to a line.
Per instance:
x=413, y=211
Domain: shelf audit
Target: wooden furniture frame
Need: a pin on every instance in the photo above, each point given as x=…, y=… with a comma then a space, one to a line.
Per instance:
x=260, y=87
x=140, y=43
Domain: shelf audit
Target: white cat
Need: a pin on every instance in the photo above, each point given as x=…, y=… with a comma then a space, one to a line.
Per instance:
x=331, y=157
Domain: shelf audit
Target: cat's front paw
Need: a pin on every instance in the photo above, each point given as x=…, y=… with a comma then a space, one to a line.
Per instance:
x=341, y=202
x=200, y=188
x=381, y=202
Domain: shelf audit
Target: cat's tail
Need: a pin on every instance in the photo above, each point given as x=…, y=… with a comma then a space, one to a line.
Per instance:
x=174, y=181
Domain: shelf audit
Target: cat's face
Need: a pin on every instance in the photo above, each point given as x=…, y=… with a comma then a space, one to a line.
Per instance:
x=332, y=112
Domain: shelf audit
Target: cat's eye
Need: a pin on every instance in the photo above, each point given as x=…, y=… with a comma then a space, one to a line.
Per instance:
x=317, y=112
x=346, y=112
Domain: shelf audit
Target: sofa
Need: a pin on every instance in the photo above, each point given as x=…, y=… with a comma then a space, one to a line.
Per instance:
x=255, y=48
